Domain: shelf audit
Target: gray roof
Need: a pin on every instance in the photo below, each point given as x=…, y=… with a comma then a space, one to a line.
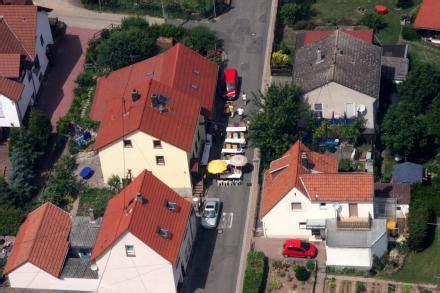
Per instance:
x=78, y=268
x=84, y=232
x=395, y=50
x=346, y=60
x=354, y=238
x=395, y=68
x=407, y=173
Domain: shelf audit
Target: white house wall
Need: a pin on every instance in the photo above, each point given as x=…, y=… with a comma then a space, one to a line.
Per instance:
x=283, y=222
x=146, y=272
x=8, y=112
x=31, y=277
x=334, y=98
x=348, y=257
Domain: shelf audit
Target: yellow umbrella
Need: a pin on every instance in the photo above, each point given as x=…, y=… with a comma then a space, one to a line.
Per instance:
x=217, y=166
x=391, y=224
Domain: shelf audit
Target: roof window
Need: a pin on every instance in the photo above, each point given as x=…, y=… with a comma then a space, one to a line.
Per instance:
x=164, y=233
x=196, y=71
x=172, y=206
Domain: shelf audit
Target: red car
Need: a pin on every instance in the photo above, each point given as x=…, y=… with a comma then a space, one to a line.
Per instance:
x=231, y=82
x=299, y=248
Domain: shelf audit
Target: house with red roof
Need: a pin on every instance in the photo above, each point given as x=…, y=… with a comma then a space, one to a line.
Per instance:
x=142, y=244
x=24, y=38
x=339, y=72
x=152, y=116
x=428, y=21
x=146, y=238
x=302, y=190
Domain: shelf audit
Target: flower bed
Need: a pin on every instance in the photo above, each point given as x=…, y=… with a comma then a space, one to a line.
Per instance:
x=286, y=276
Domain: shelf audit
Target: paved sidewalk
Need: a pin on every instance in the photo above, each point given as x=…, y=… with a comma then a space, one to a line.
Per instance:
x=72, y=13
x=56, y=94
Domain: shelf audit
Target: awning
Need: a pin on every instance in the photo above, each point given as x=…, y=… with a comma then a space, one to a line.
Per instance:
x=315, y=224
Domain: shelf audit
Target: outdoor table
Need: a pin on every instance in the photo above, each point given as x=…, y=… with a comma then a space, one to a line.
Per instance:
x=232, y=151
x=86, y=172
x=231, y=175
x=236, y=128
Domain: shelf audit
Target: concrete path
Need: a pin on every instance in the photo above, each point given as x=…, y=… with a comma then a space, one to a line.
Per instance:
x=73, y=14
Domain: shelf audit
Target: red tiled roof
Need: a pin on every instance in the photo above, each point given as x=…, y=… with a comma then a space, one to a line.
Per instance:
x=283, y=174
x=399, y=191
x=11, y=89
x=125, y=213
x=339, y=186
x=10, y=65
x=22, y=20
x=42, y=240
x=429, y=15
x=176, y=125
x=313, y=36
x=179, y=68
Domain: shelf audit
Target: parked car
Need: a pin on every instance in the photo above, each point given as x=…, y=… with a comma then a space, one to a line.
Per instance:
x=231, y=83
x=211, y=213
x=299, y=248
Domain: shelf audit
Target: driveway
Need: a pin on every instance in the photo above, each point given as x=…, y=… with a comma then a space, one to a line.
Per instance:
x=56, y=93
x=72, y=13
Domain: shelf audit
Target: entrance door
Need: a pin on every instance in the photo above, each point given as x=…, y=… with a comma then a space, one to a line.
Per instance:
x=352, y=210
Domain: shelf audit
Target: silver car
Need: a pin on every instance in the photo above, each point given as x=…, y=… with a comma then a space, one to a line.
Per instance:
x=211, y=213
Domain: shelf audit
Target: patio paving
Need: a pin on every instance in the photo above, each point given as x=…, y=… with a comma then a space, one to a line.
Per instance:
x=56, y=93
x=90, y=159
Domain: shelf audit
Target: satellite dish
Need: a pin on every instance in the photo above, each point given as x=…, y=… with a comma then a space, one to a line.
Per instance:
x=94, y=267
x=361, y=108
x=336, y=206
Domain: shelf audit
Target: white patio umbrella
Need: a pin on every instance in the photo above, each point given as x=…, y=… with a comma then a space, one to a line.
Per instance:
x=238, y=160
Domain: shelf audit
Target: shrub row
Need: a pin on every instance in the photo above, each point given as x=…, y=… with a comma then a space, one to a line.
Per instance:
x=255, y=273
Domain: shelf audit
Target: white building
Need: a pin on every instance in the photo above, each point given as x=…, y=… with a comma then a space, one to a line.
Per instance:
x=302, y=189
x=24, y=35
x=142, y=244
x=339, y=72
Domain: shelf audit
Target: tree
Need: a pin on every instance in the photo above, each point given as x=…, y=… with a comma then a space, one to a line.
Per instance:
x=61, y=182
x=283, y=118
x=115, y=183
x=403, y=131
x=409, y=33
x=200, y=39
x=290, y=13
x=134, y=21
x=39, y=128
x=7, y=196
x=421, y=86
x=404, y=3
x=125, y=47
x=432, y=119
x=373, y=21
x=301, y=273
x=420, y=214
x=10, y=221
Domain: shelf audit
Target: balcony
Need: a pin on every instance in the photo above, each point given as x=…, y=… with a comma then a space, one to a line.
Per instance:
x=353, y=223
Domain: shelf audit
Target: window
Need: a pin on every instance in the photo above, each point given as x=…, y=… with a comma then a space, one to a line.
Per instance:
x=127, y=143
x=323, y=205
x=157, y=144
x=129, y=249
x=397, y=208
x=317, y=109
x=160, y=160
x=164, y=233
x=302, y=225
x=41, y=40
x=295, y=206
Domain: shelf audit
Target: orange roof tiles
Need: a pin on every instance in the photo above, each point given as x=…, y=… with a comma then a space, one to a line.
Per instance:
x=42, y=240
x=22, y=21
x=10, y=65
x=179, y=68
x=176, y=125
x=428, y=16
x=11, y=89
x=284, y=173
x=125, y=213
x=339, y=187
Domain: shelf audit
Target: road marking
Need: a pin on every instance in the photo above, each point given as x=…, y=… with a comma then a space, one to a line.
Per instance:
x=226, y=221
x=231, y=217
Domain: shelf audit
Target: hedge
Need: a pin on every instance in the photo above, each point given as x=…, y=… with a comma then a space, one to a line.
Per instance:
x=10, y=221
x=255, y=273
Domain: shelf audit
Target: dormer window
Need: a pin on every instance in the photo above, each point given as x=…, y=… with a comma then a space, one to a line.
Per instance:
x=172, y=206
x=164, y=233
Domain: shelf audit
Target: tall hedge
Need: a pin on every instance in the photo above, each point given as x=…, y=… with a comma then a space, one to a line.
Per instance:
x=421, y=233
x=255, y=273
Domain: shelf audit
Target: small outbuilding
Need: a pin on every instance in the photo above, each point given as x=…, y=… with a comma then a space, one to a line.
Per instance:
x=355, y=248
x=408, y=173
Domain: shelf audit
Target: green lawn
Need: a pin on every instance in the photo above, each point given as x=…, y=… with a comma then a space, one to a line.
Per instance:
x=424, y=52
x=423, y=267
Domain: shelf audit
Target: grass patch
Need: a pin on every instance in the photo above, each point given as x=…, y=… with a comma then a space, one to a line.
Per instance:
x=389, y=163
x=424, y=52
x=421, y=267
x=95, y=198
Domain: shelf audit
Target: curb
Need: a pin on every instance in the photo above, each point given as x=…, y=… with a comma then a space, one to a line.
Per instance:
x=250, y=218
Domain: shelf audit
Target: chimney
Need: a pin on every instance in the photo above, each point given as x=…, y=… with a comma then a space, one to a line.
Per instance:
x=304, y=160
x=319, y=56
x=91, y=214
x=140, y=198
x=135, y=95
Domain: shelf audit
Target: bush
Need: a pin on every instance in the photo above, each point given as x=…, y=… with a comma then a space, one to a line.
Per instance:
x=95, y=198
x=404, y=3
x=301, y=273
x=344, y=165
x=278, y=58
x=200, y=39
x=255, y=272
x=10, y=221
x=169, y=30
x=360, y=287
x=310, y=265
x=115, y=183
x=85, y=79
x=284, y=48
x=409, y=33
x=420, y=233
x=373, y=20
x=274, y=285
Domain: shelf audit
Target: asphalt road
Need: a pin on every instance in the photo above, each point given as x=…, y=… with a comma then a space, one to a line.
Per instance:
x=216, y=254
